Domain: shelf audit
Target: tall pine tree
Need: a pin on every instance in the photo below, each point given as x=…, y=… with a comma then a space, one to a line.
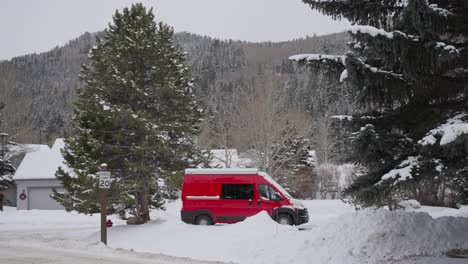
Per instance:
x=136, y=113
x=6, y=167
x=409, y=66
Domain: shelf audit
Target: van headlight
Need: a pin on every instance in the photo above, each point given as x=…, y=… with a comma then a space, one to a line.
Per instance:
x=297, y=204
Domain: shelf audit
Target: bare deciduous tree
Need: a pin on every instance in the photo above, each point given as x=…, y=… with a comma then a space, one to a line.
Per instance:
x=268, y=123
x=329, y=180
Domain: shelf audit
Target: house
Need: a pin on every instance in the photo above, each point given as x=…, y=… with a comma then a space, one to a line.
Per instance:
x=16, y=155
x=229, y=158
x=35, y=178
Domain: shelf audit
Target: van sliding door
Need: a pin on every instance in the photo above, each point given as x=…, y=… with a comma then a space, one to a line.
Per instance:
x=236, y=202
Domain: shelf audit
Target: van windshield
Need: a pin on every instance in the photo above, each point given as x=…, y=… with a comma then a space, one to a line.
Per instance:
x=274, y=183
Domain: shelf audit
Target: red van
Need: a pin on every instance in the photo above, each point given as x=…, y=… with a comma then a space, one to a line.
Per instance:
x=212, y=196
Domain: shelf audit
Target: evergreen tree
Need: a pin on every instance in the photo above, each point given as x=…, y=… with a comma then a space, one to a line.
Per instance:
x=409, y=67
x=6, y=167
x=136, y=113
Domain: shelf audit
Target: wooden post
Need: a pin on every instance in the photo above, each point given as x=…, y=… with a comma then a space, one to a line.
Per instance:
x=104, y=185
x=103, y=198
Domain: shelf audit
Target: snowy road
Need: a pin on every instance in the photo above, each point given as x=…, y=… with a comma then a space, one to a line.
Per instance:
x=17, y=254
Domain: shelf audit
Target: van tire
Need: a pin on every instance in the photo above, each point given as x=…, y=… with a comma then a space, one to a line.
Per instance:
x=203, y=220
x=284, y=219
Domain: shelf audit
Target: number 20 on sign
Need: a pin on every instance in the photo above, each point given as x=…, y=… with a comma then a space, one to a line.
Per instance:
x=104, y=179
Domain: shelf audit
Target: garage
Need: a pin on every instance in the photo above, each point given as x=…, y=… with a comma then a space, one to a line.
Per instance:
x=39, y=198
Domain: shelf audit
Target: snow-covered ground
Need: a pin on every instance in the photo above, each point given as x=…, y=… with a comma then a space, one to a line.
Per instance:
x=336, y=234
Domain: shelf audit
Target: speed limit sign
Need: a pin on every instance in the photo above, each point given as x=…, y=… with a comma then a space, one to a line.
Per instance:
x=104, y=179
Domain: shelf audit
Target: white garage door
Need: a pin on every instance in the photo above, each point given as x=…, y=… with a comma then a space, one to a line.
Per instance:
x=39, y=198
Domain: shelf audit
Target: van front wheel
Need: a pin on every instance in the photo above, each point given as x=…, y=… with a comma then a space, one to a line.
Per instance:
x=284, y=219
x=203, y=220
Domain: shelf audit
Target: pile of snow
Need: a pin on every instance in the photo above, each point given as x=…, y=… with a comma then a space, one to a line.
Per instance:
x=374, y=236
x=410, y=204
x=12, y=219
x=437, y=212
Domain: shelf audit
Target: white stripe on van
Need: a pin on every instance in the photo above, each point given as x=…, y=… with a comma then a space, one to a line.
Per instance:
x=203, y=197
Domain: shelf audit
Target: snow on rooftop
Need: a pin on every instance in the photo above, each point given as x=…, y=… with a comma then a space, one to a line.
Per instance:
x=41, y=163
x=221, y=171
x=59, y=144
x=28, y=148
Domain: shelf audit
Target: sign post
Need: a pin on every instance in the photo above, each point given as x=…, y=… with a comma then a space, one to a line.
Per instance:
x=104, y=185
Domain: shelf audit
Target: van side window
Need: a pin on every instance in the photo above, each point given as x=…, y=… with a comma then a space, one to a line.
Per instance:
x=266, y=192
x=237, y=191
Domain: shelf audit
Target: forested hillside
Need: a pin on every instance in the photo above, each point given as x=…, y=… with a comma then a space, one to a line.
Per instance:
x=39, y=89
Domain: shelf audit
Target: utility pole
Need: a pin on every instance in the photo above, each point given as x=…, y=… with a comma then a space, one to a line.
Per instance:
x=104, y=185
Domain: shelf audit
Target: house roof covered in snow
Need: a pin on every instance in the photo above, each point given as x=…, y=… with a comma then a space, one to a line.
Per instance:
x=230, y=158
x=41, y=162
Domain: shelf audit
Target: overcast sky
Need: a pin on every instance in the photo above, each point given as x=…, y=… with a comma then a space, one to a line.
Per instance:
x=39, y=25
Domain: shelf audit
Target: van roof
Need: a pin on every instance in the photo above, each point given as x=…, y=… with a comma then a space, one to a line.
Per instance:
x=221, y=171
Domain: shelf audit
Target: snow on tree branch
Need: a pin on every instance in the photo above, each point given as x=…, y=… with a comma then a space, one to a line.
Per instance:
x=316, y=57
x=374, y=32
x=404, y=170
x=448, y=132
x=320, y=60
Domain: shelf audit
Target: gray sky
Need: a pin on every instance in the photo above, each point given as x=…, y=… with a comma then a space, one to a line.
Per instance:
x=39, y=25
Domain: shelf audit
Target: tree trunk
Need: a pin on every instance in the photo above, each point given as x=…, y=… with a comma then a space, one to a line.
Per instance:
x=144, y=205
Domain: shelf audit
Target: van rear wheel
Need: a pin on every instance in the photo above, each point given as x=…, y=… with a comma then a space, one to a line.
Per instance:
x=284, y=219
x=203, y=220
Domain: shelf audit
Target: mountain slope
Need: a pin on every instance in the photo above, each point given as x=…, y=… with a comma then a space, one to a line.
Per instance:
x=39, y=89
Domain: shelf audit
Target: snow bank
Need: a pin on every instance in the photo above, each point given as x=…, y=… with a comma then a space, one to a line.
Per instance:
x=336, y=234
x=374, y=236
x=410, y=204
x=11, y=219
x=437, y=212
